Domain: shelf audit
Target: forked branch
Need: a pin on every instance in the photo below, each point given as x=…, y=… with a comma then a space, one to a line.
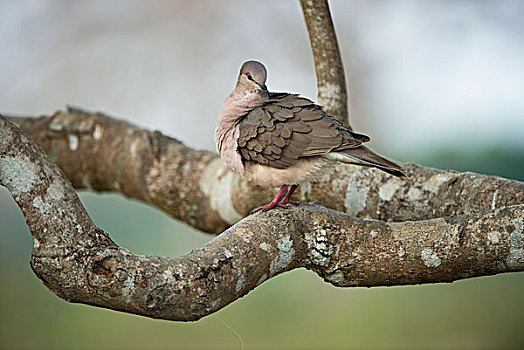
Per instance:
x=80, y=263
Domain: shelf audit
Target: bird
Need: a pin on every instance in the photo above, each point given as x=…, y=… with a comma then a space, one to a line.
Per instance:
x=280, y=139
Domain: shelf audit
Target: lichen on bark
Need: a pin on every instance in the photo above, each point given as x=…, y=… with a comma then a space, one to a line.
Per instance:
x=80, y=263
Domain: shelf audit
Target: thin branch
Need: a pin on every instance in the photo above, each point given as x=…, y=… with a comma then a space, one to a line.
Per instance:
x=104, y=154
x=331, y=81
x=80, y=263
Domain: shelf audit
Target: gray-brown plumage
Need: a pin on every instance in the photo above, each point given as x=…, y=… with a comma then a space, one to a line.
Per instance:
x=278, y=139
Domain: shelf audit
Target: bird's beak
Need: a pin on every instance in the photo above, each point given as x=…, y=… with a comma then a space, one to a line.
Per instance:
x=263, y=87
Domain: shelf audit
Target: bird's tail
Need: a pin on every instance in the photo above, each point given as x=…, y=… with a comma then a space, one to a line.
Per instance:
x=365, y=157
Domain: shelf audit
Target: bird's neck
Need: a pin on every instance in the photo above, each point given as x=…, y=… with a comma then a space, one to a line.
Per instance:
x=241, y=102
x=237, y=105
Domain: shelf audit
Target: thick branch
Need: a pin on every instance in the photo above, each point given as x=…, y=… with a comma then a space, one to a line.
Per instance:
x=331, y=81
x=105, y=154
x=80, y=263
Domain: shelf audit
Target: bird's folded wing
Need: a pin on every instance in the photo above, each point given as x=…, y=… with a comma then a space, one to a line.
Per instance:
x=289, y=127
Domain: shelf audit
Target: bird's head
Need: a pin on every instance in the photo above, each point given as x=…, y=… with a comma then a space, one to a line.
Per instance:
x=252, y=77
x=249, y=93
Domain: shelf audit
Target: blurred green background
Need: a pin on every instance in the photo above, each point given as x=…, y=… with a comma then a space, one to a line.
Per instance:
x=296, y=310
x=433, y=82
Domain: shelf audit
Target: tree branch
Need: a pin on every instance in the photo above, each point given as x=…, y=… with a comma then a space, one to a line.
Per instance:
x=331, y=81
x=104, y=154
x=80, y=263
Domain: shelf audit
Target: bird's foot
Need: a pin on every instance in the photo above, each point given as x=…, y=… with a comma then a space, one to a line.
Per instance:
x=277, y=201
x=268, y=206
x=287, y=197
x=291, y=202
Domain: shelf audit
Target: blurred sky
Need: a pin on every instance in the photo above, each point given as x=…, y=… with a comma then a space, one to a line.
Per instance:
x=423, y=74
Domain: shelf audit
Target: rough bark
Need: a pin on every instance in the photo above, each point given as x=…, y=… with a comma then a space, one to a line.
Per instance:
x=80, y=263
x=331, y=81
x=104, y=154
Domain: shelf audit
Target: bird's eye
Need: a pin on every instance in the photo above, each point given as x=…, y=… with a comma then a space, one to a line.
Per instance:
x=248, y=75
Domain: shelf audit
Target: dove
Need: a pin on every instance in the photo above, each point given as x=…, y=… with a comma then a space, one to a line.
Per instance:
x=278, y=139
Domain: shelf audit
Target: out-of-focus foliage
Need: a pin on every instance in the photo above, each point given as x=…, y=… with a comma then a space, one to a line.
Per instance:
x=498, y=161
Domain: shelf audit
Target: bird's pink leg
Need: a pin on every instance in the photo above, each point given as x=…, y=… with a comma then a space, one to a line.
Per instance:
x=275, y=202
x=287, y=198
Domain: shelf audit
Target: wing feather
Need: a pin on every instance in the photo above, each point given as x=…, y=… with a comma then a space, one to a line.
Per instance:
x=289, y=127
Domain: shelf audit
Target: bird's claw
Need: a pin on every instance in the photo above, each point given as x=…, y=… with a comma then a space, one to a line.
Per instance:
x=267, y=207
x=274, y=205
x=291, y=202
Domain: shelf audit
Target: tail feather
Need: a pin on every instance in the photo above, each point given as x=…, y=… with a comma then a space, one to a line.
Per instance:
x=365, y=157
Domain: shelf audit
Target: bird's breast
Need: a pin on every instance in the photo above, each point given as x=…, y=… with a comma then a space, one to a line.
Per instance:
x=227, y=146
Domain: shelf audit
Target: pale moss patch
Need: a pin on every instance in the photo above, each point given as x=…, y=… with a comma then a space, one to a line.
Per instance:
x=19, y=175
x=97, y=134
x=285, y=255
x=320, y=249
x=433, y=183
x=516, y=251
x=73, y=142
x=356, y=194
x=387, y=190
x=414, y=193
x=493, y=237
x=264, y=246
x=430, y=258
x=240, y=281
x=329, y=95
x=337, y=278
